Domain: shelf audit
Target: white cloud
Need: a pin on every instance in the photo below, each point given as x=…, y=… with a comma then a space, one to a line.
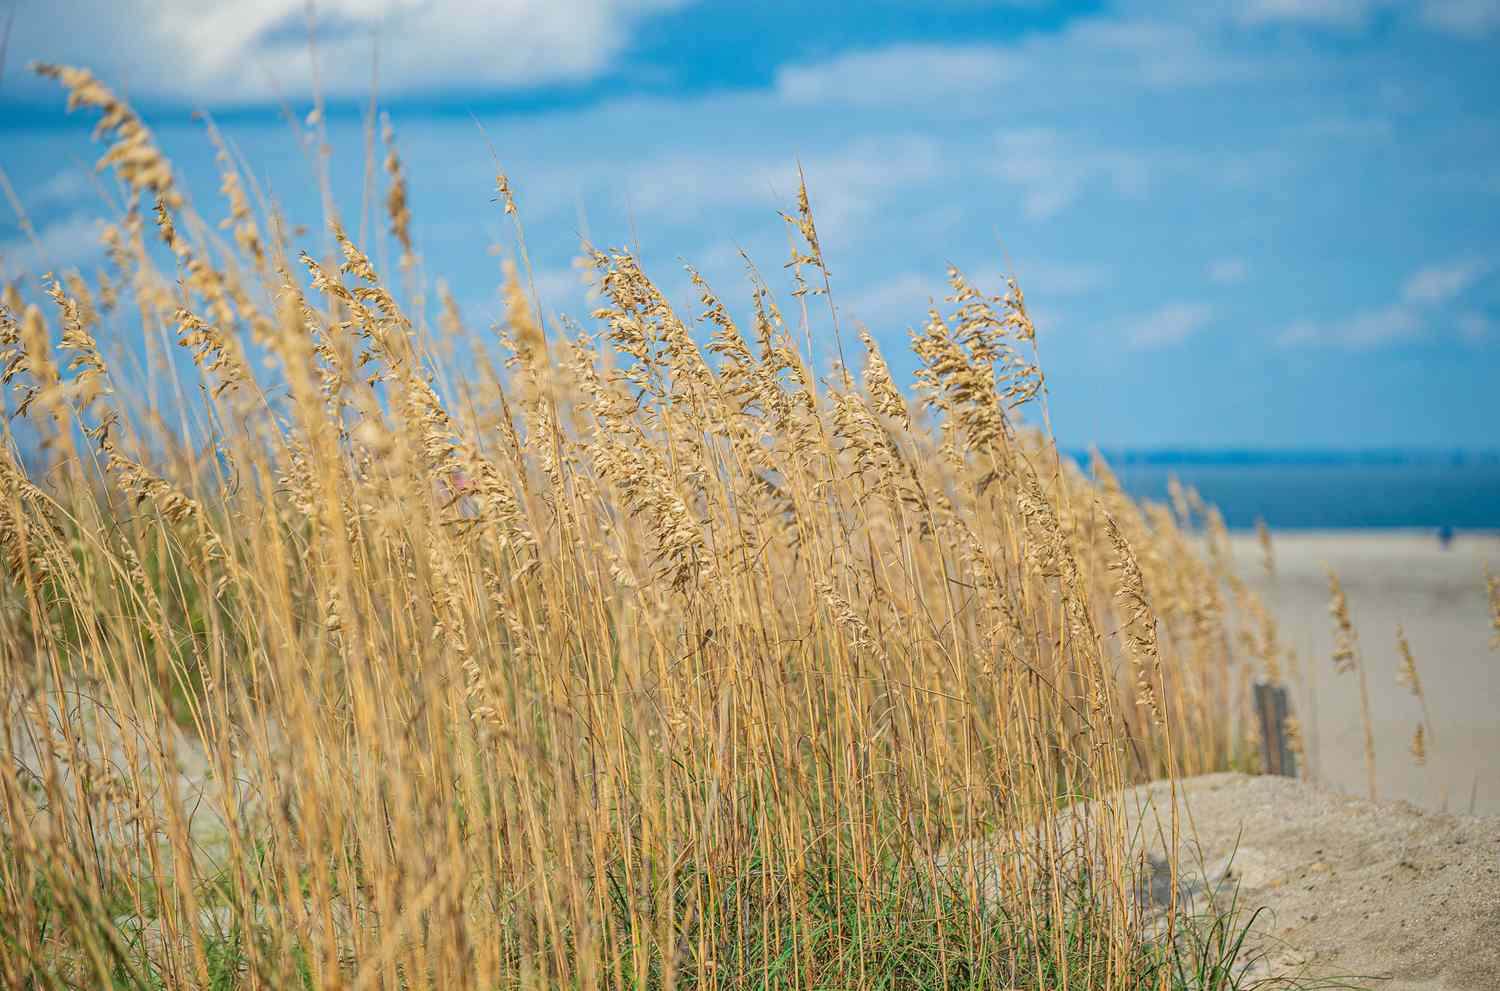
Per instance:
x=1171, y=324
x=846, y=183
x=1041, y=279
x=1474, y=326
x=1468, y=19
x=1087, y=55
x=564, y=289
x=242, y=51
x=72, y=240
x=1436, y=284
x=1367, y=328
x=1152, y=53
x=1424, y=292
x=898, y=300
x=234, y=51
x=1345, y=14
x=66, y=187
x=1471, y=19
x=1228, y=271
x=850, y=182
x=905, y=298
x=904, y=74
x=1053, y=170
x=1345, y=128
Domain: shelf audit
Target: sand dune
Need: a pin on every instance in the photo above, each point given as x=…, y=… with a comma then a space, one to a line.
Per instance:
x=1439, y=597
x=1369, y=895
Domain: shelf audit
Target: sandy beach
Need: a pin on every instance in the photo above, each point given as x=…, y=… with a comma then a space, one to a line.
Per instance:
x=1438, y=595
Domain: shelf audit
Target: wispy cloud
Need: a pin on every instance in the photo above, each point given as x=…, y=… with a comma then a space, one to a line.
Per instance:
x=1228, y=271
x=904, y=298
x=1347, y=128
x=847, y=182
x=66, y=187
x=235, y=51
x=71, y=240
x=1367, y=328
x=1053, y=170
x=564, y=290
x=1345, y=14
x=1423, y=295
x=1474, y=326
x=1042, y=279
x=1171, y=324
x=895, y=301
x=1435, y=284
x=1089, y=53
x=904, y=74
x=1472, y=19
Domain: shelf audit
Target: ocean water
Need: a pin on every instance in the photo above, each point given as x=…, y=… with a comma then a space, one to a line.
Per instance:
x=1329, y=492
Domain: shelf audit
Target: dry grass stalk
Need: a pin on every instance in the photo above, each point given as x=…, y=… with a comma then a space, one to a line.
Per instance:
x=1409, y=679
x=1267, y=559
x=655, y=665
x=1492, y=584
x=1346, y=659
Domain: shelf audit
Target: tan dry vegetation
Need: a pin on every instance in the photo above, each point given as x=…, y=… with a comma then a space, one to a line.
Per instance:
x=640, y=661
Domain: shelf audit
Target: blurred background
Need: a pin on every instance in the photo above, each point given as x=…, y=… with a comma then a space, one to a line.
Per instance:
x=1259, y=238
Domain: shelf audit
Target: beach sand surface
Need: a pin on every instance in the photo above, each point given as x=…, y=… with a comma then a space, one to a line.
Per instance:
x=1439, y=597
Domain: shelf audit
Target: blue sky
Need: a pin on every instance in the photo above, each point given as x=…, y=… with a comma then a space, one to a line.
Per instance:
x=1270, y=223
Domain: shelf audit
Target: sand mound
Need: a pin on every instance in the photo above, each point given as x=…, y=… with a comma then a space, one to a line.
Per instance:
x=1383, y=894
x=1352, y=893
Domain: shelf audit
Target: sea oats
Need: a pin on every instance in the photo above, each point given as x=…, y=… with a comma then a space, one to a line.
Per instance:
x=134, y=155
x=1346, y=658
x=634, y=651
x=1408, y=677
x=1345, y=641
x=1492, y=584
x=395, y=199
x=1138, y=622
x=1263, y=534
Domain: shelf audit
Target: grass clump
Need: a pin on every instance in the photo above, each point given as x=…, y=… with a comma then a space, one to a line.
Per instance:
x=645, y=657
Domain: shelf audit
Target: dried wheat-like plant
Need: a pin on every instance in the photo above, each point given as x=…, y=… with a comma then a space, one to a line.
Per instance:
x=651, y=655
x=1267, y=559
x=1346, y=659
x=1409, y=679
x=1492, y=584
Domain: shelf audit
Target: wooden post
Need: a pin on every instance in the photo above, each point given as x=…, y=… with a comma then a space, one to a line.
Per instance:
x=1272, y=708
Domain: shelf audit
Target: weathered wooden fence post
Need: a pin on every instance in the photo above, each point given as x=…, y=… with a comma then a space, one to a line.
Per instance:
x=1272, y=708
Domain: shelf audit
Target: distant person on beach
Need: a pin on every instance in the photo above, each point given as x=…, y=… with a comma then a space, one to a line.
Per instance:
x=1445, y=536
